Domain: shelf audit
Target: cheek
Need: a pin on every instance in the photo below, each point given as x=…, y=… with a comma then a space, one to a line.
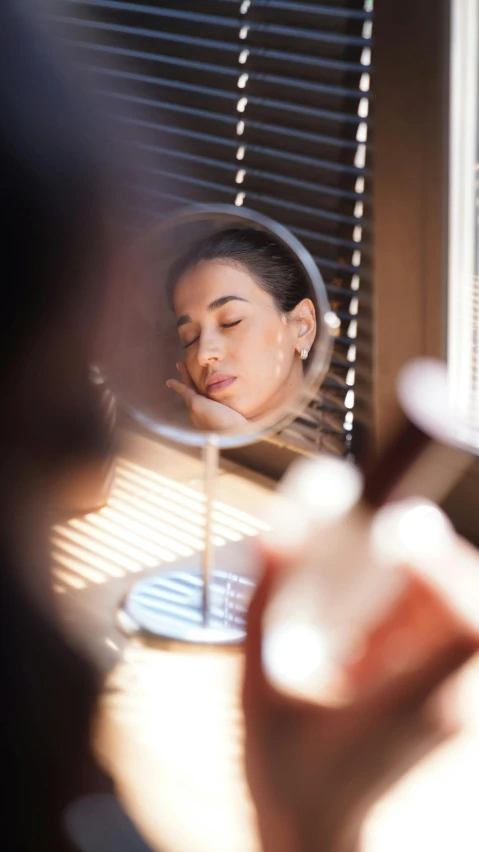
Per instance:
x=266, y=355
x=192, y=364
x=275, y=351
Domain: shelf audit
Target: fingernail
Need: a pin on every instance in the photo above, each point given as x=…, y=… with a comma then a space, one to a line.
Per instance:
x=178, y=367
x=168, y=384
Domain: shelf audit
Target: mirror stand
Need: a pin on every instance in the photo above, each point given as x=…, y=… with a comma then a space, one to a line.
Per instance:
x=201, y=605
x=204, y=602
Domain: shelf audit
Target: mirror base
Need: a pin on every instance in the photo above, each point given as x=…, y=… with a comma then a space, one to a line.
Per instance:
x=167, y=605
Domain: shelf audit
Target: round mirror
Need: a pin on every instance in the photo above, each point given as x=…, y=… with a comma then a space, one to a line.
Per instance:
x=224, y=328
x=222, y=335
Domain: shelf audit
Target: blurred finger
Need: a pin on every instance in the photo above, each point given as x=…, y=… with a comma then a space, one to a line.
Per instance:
x=187, y=393
x=411, y=690
x=254, y=678
x=185, y=376
x=442, y=709
x=404, y=749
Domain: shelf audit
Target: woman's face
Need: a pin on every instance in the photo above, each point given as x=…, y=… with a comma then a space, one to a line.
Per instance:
x=239, y=350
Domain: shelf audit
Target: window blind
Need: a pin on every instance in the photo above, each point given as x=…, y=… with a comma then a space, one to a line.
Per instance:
x=261, y=103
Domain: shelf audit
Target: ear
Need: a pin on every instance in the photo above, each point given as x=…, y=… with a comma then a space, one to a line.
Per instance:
x=304, y=319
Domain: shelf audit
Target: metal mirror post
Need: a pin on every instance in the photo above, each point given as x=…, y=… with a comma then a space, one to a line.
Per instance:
x=241, y=303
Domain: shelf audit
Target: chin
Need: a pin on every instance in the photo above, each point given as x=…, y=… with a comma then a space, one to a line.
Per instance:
x=250, y=412
x=234, y=403
x=263, y=410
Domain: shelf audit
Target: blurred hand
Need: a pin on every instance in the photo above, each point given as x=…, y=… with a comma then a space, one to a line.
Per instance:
x=315, y=771
x=206, y=414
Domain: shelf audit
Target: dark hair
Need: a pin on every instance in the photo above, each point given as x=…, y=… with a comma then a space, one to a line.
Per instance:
x=51, y=184
x=270, y=263
x=52, y=250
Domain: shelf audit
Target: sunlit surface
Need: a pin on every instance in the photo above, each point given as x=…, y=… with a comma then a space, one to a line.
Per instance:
x=150, y=520
x=170, y=727
x=434, y=807
x=171, y=605
x=172, y=732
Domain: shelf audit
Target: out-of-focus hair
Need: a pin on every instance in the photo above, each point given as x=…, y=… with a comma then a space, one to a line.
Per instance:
x=52, y=252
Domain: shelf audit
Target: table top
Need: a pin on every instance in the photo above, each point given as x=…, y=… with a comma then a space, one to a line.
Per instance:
x=170, y=727
x=171, y=732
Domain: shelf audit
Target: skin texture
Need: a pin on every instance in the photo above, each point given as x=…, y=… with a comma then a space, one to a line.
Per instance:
x=231, y=328
x=315, y=771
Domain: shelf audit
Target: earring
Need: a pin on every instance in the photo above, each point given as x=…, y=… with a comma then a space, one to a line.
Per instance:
x=303, y=354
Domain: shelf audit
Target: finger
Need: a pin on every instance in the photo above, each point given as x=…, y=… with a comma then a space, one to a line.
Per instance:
x=256, y=685
x=386, y=762
x=185, y=376
x=444, y=664
x=187, y=393
x=406, y=693
x=382, y=752
x=254, y=678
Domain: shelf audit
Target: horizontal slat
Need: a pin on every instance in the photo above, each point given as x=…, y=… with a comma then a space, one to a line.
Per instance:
x=143, y=61
x=140, y=38
x=224, y=8
x=223, y=149
x=331, y=120
x=303, y=150
x=146, y=216
x=312, y=417
x=170, y=73
x=339, y=175
x=297, y=217
x=330, y=423
x=194, y=188
x=334, y=395
x=327, y=201
x=311, y=443
x=330, y=23
x=317, y=37
x=337, y=378
x=183, y=92
x=314, y=91
x=174, y=91
x=205, y=165
x=341, y=11
x=341, y=269
x=213, y=171
x=340, y=363
x=329, y=198
x=306, y=41
x=312, y=66
x=164, y=107
x=328, y=163
x=311, y=430
x=183, y=19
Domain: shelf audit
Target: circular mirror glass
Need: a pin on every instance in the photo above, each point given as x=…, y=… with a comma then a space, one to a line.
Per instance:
x=221, y=335
x=223, y=328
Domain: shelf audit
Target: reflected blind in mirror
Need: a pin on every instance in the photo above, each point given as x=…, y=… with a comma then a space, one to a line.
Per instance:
x=261, y=103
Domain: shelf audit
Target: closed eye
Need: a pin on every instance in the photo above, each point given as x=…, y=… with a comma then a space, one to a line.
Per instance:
x=190, y=343
x=223, y=325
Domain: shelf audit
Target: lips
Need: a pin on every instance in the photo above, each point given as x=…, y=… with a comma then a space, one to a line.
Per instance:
x=218, y=382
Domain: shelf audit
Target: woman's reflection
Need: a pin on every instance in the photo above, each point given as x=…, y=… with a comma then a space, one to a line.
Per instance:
x=247, y=324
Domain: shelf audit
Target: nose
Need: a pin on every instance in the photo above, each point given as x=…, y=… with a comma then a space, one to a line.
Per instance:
x=210, y=348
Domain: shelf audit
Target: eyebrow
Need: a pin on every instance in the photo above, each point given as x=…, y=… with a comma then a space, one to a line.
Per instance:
x=214, y=306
